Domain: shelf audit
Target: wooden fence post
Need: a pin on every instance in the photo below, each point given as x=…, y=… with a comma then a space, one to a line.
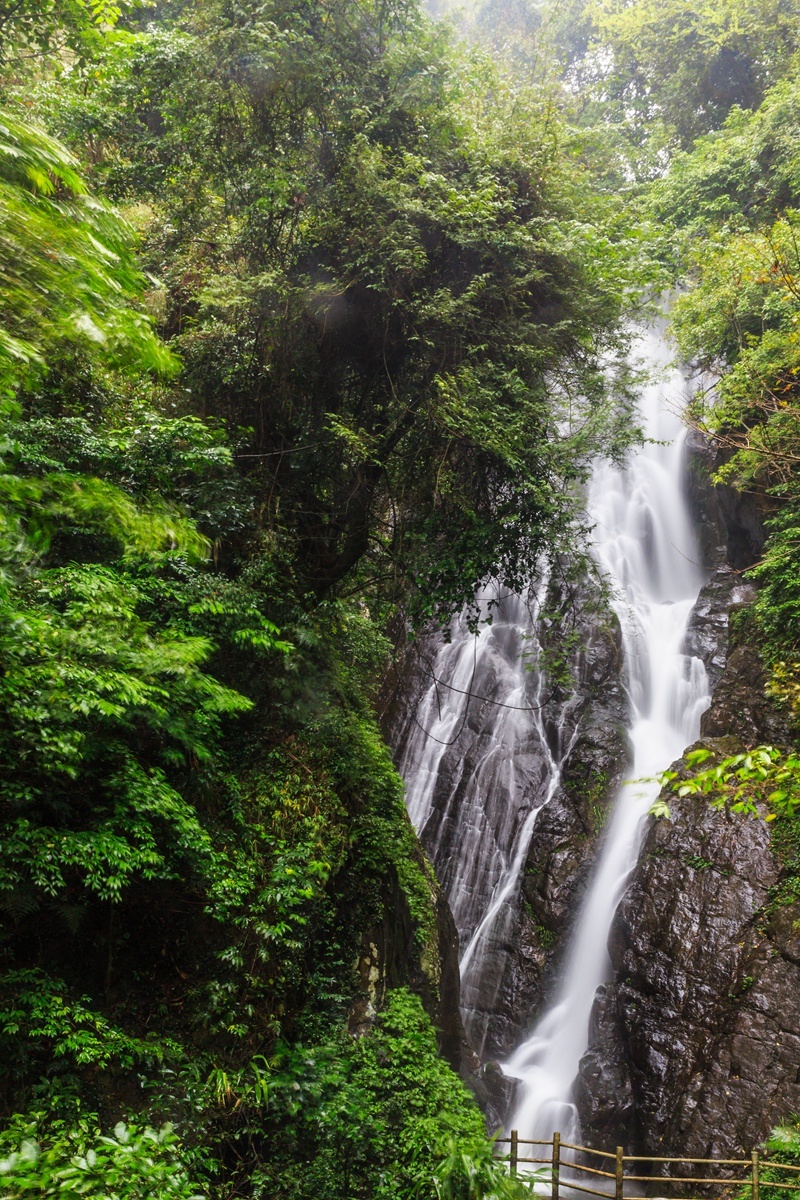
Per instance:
x=618, y=1173
x=755, y=1175
x=556, y=1164
x=514, y=1151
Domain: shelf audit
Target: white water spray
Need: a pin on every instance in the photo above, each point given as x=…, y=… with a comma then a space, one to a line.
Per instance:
x=479, y=766
x=644, y=543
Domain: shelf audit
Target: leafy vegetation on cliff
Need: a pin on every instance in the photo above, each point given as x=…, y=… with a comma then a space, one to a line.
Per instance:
x=731, y=204
x=312, y=318
x=728, y=211
x=373, y=257
x=305, y=309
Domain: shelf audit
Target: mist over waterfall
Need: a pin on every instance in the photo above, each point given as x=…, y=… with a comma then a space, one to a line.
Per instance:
x=645, y=545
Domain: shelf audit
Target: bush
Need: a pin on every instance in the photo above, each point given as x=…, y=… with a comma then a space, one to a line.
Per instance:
x=132, y=1164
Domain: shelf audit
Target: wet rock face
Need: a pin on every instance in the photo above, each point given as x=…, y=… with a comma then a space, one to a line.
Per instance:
x=695, y=1041
x=563, y=842
x=561, y=850
x=683, y=949
x=729, y=523
x=740, y=706
x=704, y=506
x=563, y=845
x=695, y=1045
x=486, y=785
x=603, y=1091
x=495, y=1092
x=707, y=631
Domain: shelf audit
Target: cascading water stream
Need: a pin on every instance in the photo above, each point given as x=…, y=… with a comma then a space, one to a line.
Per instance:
x=479, y=764
x=645, y=545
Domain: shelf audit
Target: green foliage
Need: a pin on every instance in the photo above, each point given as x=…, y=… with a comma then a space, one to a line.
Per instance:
x=36, y=1013
x=51, y=1160
x=729, y=209
x=465, y=1175
x=698, y=863
x=97, y=709
x=386, y=839
x=739, y=323
x=741, y=174
x=414, y=314
x=546, y=937
x=778, y=605
x=784, y=684
x=659, y=809
x=153, y=454
x=782, y=1148
x=61, y=242
x=54, y=35
x=690, y=64
x=742, y=783
x=112, y=722
x=398, y=304
x=784, y=1141
x=371, y=1117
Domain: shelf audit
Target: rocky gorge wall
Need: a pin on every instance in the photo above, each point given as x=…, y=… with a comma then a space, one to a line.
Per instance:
x=695, y=1040
x=562, y=848
x=587, y=714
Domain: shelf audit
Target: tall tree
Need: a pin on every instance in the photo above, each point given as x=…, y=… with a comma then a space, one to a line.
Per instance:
x=374, y=253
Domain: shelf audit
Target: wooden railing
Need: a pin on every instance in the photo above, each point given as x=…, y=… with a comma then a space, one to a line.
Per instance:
x=563, y=1169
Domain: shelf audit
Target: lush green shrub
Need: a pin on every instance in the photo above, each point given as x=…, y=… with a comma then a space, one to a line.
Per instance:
x=133, y=1163
x=61, y=242
x=370, y=1117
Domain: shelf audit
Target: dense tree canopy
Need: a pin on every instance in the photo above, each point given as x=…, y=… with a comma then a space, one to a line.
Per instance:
x=312, y=318
x=375, y=257
x=316, y=309
x=690, y=64
x=657, y=74
x=733, y=202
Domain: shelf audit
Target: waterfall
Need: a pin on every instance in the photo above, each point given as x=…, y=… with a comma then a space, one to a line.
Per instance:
x=483, y=749
x=644, y=544
x=480, y=759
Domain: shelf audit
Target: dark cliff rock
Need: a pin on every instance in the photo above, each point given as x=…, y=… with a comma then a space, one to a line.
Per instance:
x=562, y=846
x=584, y=723
x=561, y=850
x=704, y=506
x=495, y=1092
x=707, y=631
x=391, y=956
x=695, y=1043
x=691, y=1043
x=730, y=524
x=740, y=706
x=731, y=537
x=603, y=1090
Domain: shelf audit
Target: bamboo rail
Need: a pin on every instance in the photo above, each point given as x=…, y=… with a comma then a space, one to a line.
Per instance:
x=563, y=1169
